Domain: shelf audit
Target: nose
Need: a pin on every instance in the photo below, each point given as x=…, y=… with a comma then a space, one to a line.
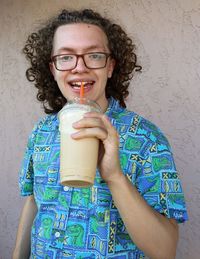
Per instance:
x=80, y=67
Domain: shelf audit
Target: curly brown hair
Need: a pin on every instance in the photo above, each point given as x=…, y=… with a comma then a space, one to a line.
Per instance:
x=38, y=49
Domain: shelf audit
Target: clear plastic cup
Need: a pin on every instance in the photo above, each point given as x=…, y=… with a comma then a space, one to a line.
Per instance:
x=78, y=158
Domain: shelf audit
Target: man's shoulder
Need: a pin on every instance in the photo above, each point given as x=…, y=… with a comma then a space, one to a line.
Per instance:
x=151, y=131
x=140, y=127
x=47, y=123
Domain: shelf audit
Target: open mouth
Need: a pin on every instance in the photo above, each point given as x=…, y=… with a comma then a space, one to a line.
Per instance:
x=76, y=85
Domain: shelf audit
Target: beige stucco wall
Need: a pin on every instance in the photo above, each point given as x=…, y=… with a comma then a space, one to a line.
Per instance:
x=167, y=36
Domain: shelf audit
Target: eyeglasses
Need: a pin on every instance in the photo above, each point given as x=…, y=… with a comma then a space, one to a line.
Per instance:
x=93, y=60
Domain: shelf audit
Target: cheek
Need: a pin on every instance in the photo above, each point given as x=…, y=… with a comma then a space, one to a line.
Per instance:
x=104, y=75
x=59, y=77
x=103, y=82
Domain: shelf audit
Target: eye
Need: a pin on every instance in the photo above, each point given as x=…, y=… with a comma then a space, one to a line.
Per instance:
x=96, y=56
x=66, y=58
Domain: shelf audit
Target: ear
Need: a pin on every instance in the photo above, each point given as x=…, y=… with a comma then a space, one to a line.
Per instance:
x=52, y=69
x=111, y=67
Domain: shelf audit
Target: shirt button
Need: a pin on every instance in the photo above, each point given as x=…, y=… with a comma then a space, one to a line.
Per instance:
x=57, y=234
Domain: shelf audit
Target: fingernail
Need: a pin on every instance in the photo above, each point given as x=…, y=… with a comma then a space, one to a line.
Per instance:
x=75, y=124
x=74, y=135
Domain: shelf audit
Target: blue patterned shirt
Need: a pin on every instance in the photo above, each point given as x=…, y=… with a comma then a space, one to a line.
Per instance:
x=84, y=222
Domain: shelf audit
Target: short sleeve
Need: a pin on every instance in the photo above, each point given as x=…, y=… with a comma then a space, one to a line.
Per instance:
x=158, y=181
x=26, y=174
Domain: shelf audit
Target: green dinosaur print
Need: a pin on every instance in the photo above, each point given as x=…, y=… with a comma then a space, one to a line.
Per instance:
x=63, y=201
x=50, y=194
x=81, y=197
x=94, y=224
x=133, y=144
x=123, y=160
x=75, y=234
x=99, y=221
x=160, y=163
x=42, y=166
x=46, y=227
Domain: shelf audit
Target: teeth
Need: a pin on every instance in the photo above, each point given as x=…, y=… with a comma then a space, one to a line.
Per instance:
x=78, y=84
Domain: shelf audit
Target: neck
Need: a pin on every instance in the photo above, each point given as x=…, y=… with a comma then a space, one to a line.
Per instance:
x=103, y=105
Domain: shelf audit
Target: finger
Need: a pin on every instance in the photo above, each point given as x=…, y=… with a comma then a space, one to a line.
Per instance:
x=88, y=122
x=93, y=114
x=107, y=122
x=90, y=133
x=102, y=118
x=112, y=134
x=109, y=127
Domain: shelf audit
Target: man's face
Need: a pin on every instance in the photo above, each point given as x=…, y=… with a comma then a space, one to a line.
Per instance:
x=80, y=39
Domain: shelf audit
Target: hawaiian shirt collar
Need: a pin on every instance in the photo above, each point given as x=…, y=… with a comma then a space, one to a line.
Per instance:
x=112, y=105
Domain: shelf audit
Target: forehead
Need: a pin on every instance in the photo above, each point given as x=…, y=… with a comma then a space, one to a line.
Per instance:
x=79, y=36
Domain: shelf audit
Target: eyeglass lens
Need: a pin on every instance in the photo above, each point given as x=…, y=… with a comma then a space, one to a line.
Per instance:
x=91, y=60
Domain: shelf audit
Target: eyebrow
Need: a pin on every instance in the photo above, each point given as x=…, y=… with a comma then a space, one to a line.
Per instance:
x=92, y=47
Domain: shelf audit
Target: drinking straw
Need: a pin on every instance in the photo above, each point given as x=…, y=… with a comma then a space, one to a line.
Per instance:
x=81, y=92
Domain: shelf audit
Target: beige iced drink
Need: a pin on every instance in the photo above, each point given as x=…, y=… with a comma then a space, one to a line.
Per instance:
x=78, y=158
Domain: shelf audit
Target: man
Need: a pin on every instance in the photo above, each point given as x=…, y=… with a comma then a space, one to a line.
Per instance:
x=136, y=201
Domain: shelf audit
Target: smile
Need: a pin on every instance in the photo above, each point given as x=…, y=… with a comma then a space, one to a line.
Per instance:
x=77, y=84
